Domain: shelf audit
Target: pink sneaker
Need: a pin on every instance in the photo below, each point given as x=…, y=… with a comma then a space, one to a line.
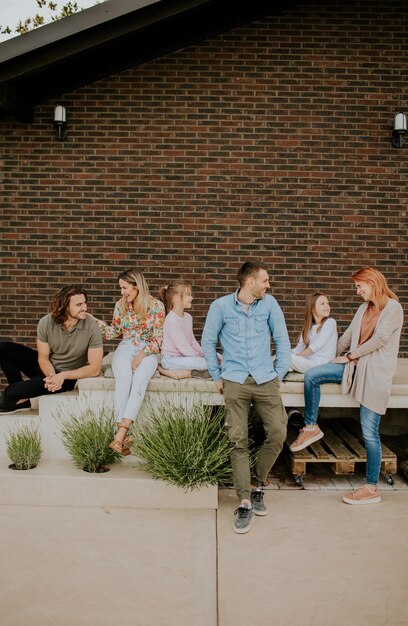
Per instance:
x=362, y=495
x=305, y=438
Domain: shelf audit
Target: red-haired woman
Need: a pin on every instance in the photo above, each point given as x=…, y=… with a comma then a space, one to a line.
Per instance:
x=365, y=366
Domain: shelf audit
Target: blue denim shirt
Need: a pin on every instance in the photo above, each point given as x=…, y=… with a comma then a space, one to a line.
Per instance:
x=245, y=338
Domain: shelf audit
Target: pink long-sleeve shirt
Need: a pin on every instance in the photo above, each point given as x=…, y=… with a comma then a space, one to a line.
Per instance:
x=178, y=336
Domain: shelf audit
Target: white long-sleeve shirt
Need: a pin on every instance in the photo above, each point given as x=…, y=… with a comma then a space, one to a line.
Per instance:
x=322, y=344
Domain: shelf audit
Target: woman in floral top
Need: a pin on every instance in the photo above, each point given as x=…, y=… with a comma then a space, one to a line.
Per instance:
x=138, y=318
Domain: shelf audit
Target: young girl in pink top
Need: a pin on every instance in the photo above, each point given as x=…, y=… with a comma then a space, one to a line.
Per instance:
x=181, y=354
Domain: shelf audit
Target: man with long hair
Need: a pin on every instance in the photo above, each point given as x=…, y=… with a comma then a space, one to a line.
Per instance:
x=69, y=347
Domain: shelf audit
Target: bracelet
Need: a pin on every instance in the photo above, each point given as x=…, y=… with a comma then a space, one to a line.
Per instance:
x=348, y=356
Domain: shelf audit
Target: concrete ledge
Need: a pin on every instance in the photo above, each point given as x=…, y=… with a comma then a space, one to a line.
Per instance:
x=99, y=391
x=60, y=483
x=162, y=388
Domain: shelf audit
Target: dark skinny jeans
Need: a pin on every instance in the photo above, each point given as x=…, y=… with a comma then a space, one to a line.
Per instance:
x=16, y=360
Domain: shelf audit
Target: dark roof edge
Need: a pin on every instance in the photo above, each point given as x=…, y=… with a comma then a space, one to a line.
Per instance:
x=92, y=49
x=70, y=26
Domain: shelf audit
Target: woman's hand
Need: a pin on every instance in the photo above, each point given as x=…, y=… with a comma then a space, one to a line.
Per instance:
x=340, y=359
x=138, y=359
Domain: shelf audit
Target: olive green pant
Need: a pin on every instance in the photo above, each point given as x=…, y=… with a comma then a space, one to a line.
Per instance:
x=267, y=403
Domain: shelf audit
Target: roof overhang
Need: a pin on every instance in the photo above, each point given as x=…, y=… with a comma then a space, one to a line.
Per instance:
x=109, y=38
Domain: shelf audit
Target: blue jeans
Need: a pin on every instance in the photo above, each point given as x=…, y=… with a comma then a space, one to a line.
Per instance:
x=130, y=386
x=369, y=420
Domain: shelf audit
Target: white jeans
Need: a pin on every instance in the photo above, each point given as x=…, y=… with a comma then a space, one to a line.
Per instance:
x=183, y=362
x=130, y=386
x=301, y=363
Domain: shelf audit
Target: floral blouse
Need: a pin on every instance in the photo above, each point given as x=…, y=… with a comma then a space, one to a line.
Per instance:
x=130, y=327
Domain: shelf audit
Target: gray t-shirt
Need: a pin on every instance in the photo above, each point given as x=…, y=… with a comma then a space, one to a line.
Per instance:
x=68, y=350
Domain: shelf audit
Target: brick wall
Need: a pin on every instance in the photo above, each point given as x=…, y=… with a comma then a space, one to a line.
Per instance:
x=271, y=142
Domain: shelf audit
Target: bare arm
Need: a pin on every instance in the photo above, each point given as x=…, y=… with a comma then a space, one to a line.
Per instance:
x=44, y=362
x=54, y=382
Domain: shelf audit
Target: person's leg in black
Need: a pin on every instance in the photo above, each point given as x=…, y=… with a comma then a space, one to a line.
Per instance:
x=16, y=359
x=31, y=388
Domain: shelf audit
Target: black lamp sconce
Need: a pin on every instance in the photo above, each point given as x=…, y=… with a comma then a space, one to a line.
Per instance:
x=60, y=122
x=400, y=129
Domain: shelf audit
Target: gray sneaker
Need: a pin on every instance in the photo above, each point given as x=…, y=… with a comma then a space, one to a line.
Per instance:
x=258, y=505
x=243, y=520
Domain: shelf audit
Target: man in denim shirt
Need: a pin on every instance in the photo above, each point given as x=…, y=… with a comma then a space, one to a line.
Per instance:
x=244, y=322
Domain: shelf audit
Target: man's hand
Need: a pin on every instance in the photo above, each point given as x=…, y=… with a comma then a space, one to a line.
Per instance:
x=54, y=382
x=219, y=385
x=138, y=359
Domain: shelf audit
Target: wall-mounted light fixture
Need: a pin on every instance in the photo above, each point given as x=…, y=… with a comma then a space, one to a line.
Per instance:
x=60, y=122
x=400, y=129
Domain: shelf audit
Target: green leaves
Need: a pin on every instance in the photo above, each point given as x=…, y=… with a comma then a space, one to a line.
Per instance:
x=86, y=436
x=24, y=447
x=185, y=447
x=54, y=13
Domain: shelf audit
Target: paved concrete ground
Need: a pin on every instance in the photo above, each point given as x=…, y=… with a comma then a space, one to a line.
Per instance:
x=313, y=561
x=64, y=566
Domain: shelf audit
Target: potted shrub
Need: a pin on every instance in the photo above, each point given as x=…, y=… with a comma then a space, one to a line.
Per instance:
x=185, y=447
x=24, y=447
x=86, y=433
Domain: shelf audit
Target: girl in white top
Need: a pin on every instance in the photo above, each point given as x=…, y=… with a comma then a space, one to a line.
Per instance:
x=181, y=354
x=318, y=339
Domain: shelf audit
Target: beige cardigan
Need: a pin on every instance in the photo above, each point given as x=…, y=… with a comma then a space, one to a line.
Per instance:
x=371, y=385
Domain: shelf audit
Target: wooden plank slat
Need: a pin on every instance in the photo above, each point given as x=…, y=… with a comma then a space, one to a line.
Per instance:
x=336, y=446
x=356, y=429
x=386, y=452
x=341, y=447
x=352, y=441
x=319, y=451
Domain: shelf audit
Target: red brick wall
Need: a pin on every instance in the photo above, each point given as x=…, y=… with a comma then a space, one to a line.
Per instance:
x=271, y=142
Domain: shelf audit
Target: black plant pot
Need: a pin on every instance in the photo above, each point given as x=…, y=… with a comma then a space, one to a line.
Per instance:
x=100, y=470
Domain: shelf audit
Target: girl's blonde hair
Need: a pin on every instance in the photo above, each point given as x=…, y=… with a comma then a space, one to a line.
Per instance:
x=169, y=292
x=309, y=319
x=142, y=302
x=381, y=292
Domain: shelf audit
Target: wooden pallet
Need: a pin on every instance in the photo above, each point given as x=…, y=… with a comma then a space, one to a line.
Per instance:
x=342, y=447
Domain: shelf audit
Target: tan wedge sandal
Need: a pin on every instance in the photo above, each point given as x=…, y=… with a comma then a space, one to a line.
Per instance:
x=127, y=442
x=118, y=447
x=122, y=447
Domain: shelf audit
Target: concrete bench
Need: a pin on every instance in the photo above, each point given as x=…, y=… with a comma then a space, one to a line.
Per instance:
x=185, y=391
x=100, y=391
